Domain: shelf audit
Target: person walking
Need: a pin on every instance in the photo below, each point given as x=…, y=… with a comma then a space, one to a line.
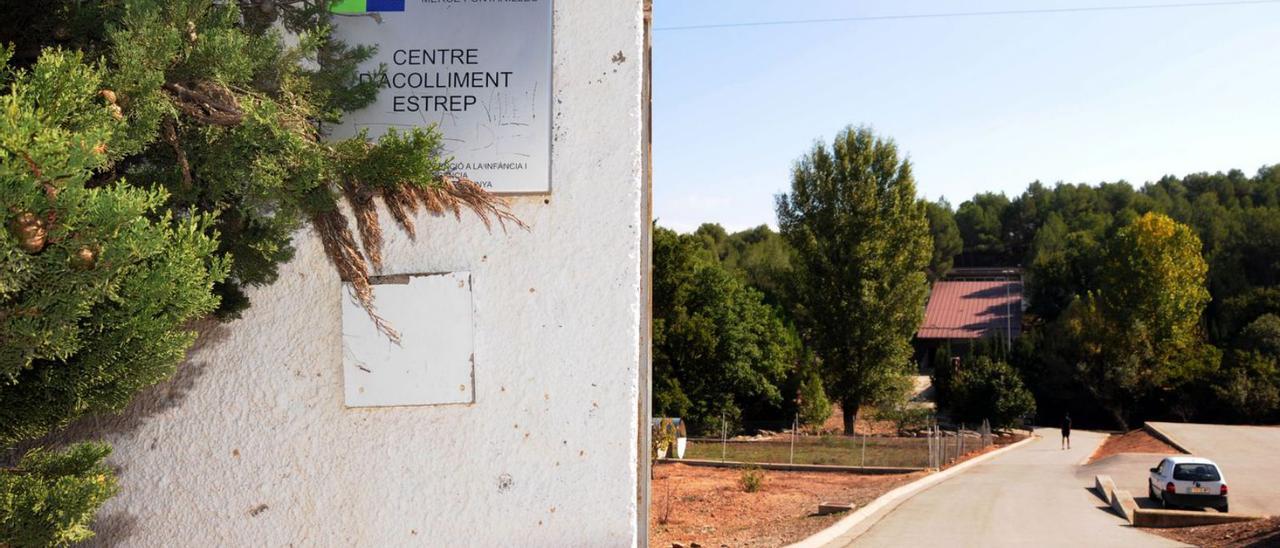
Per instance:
x=1066, y=431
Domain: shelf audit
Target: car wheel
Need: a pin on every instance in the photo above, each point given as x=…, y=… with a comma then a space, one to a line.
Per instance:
x=1151, y=491
x=1225, y=508
x=1164, y=503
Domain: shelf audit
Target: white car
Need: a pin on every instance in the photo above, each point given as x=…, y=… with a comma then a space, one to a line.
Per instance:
x=1188, y=481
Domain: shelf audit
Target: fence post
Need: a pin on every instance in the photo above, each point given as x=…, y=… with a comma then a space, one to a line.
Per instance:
x=929, y=446
x=724, y=436
x=939, y=450
x=864, y=449
x=795, y=425
x=929, y=437
x=937, y=446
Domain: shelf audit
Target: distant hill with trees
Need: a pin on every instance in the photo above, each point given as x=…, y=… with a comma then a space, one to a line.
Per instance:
x=1158, y=301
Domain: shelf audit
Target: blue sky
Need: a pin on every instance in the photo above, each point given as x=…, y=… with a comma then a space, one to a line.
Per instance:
x=977, y=103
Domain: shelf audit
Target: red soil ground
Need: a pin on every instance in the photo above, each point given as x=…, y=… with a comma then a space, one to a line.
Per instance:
x=863, y=427
x=708, y=505
x=1136, y=441
x=1252, y=534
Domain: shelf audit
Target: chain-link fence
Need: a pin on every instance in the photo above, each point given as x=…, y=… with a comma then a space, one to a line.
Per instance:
x=935, y=446
x=947, y=447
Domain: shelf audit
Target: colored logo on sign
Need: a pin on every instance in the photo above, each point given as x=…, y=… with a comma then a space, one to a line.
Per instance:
x=366, y=6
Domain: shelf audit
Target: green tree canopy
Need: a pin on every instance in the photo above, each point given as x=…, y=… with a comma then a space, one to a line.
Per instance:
x=95, y=286
x=1141, y=330
x=230, y=118
x=759, y=256
x=862, y=246
x=986, y=389
x=814, y=406
x=717, y=348
x=981, y=224
x=947, y=242
x=158, y=156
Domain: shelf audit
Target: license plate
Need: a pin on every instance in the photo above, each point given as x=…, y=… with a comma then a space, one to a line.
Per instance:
x=1199, y=490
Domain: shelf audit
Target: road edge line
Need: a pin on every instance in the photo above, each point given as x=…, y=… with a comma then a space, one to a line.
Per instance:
x=1089, y=458
x=896, y=497
x=1165, y=437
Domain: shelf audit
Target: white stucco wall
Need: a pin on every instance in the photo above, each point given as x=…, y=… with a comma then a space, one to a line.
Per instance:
x=252, y=446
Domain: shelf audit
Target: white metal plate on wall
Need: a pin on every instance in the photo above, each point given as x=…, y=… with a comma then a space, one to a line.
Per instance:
x=432, y=364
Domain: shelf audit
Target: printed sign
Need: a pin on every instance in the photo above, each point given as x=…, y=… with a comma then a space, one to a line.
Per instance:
x=478, y=69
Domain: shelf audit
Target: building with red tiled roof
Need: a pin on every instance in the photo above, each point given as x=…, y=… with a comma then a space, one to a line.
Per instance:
x=969, y=305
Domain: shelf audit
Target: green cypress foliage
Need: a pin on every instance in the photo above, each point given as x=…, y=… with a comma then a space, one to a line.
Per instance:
x=95, y=283
x=157, y=157
x=95, y=287
x=49, y=499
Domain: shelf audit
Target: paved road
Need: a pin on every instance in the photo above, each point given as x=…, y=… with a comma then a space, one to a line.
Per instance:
x=1129, y=471
x=1249, y=456
x=1027, y=497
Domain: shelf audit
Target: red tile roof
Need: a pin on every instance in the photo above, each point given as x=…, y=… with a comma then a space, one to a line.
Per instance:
x=972, y=310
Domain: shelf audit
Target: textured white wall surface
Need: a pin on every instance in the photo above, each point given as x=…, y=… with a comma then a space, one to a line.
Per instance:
x=251, y=444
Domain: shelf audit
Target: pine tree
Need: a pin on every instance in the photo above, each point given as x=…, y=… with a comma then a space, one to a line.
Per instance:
x=156, y=157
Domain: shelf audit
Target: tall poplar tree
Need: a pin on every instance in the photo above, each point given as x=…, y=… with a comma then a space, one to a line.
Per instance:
x=862, y=246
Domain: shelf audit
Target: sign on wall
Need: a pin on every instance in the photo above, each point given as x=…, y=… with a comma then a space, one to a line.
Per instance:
x=479, y=69
x=432, y=364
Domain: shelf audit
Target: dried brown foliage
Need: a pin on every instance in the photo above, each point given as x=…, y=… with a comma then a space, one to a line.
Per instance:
x=450, y=195
x=211, y=103
x=207, y=102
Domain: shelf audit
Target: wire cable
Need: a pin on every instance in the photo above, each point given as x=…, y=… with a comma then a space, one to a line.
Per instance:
x=1037, y=11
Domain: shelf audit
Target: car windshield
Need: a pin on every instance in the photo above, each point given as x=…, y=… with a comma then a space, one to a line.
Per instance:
x=1196, y=472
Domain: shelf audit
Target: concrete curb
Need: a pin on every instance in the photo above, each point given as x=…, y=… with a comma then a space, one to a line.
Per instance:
x=885, y=503
x=870, y=470
x=1164, y=437
x=1123, y=504
x=1166, y=519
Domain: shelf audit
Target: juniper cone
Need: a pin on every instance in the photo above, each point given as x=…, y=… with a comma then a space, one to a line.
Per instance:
x=156, y=158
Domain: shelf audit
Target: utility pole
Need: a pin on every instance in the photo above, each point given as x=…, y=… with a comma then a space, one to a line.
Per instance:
x=1008, y=321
